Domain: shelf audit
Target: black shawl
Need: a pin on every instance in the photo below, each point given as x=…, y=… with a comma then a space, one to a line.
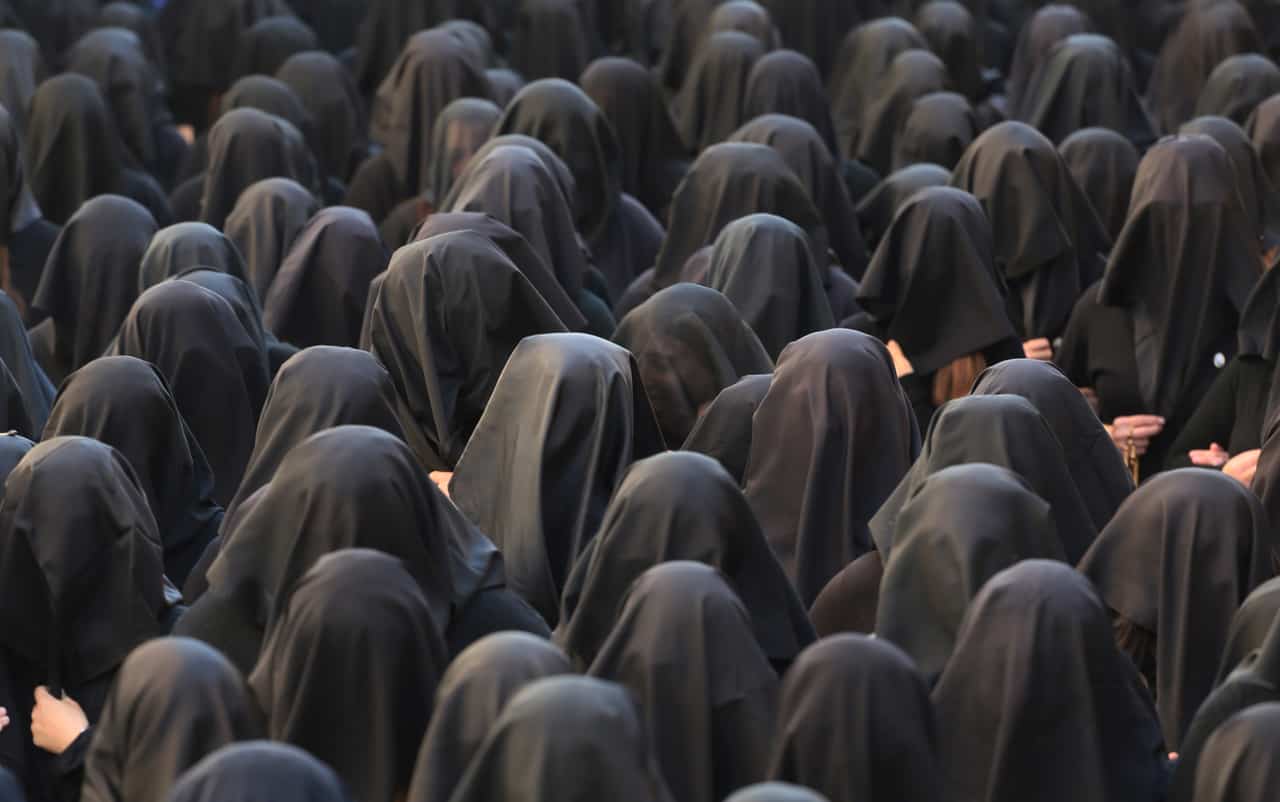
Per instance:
x=937, y=130
x=1257, y=193
x=888, y=750
x=460, y=130
x=268, y=43
x=723, y=430
x=386, y=32
x=963, y=526
x=22, y=69
x=245, y=147
x=683, y=645
x=125, y=403
x=16, y=354
x=184, y=246
x=816, y=27
x=955, y=36
x=553, y=38
x=1104, y=164
x=711, y=103
x=245, y=304
x=259, y=771
x=1239, y=758
x=175, y=701
x=1037, y=702
x=1203, y=543
x=1249, y=627
x=910, y=76
x=1263, y=128
x=786, y=82
x=863, y=60
x=356, y=619
x=1048, y=26
x=329, y=94
x=265, y=221
x=1237, y=85
x=877, y=210
x=470, y=698
x=679, y=506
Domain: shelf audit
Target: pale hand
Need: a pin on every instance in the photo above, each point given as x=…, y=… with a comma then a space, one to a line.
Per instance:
x=1039, y=348
x=1215, y=456
x=4, y=719
x=1242, y=466
x=442, y=480
x=900, y=362
x=1139, y=430
x=56, y=723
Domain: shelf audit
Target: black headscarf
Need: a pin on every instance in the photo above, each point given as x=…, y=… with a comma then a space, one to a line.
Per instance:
x=683, y=645
x=690, y=343
x=125, y=403
x=764, y=265
x=711, y=103
x=786, y=82
x=1203, y=543
x=513, y=184
x=1095, y=464
x=566, y=418
x=318, y=296
x=566, y=739
x=1263, y=128
x=1257, y=194
x=1084, y=81
x=247, y=146
x=815, y=27
x=446, y=317
x=22, y=69
x=680, y=506
x=133, y=17
x=553, y=39
x=259, y=771
x=18, y=208
x=174, y=702
x=863, y=60
x=1048, y=26
x=461, y=129
x=201, y=38
x=686, y=23
x=812, y=492
x=329, y=94
x=1210, y=32
x=218, y=373
x=653, y=158
x=470, y=698
x=517, y=249
x=183, y=246
x=723, y=430
x=245, y=304
x=83, y=579
x=1037, y=702
x=1237, y=85
x=357, y=618
x=886, y=751
x=877, y=210
x=268, y=43
x=1048, y=241
x=932, y=285
x=964, y=525
x=1104, y=164
x=435, y=69
x=386, y=33
x=89, y=282
x=1006, y=431
x=937, y=130
x=1186, y=253
x=802, y=148
x=911, y=75
x=955, y=36
x=273, y=96
x=1239, y=764
x=15, y=352
x=1252, y=621
x=264, y=223
x=746, y=16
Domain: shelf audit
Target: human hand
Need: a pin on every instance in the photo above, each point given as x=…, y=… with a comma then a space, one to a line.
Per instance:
x=56, y=723
x=1215, y=456
x=1135, y=430
x=900, y=362
x=1243, y=466
x=442, y=480
x=1039, y=348
x=4, y=719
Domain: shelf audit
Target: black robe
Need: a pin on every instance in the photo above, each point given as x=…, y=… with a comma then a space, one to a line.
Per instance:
x=259, y=771
x=1104, y=164
x=184, y=246
x=265, y=221
x=937, y=130
x=247, y=146
x=723, y=429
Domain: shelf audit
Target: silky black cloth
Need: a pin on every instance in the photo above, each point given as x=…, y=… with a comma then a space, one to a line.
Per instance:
x=125, y=403
x=683, y=645
x=802, y=148
x=1048, y=241
x=217, y=372
x=816, y=27
x=964, y=525
x=910, y=76
x=22, y=69
x=318, y=295
x=553, y=38
x=1093, y=460
x=1238, y=758
x=888, y=750
x=1237, y=85
x=849, y=601
x=786, y=82
x=461, y=128
x=1104, y=164
x=1006, y=431
x=654, y=158
x=385, y=34
x=686, y=25
x=881, y=204
x=1177, y=521
x=264, y=222
x=565, y=420
x=1257, y=193
x=862, y=61
x=89, y=283
x=268, y=43
x=247, y=146
x=357, y=618
x=712, y=103
x=446, y=317
x=679, y=506
x=245, y=304
x=811, y=479
x=23, y=229
x=259, y=771
x=690, y=343
x=568, y=739
x=329, y=94
x=16, y=354
x=723, y=429
x=1038, y=703
x=1036, y=39
x=184, y=246
x=937, y=130
x=1263, y=127
x=470, y=698
x=1250, y=625
x=933, y=284
x=776, y=792
x=174, y=702
x=1232, y=413
x=954, y=34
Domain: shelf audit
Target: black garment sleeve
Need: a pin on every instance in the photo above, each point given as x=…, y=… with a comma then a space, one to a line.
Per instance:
x=68, y=767
x=1212, y=421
